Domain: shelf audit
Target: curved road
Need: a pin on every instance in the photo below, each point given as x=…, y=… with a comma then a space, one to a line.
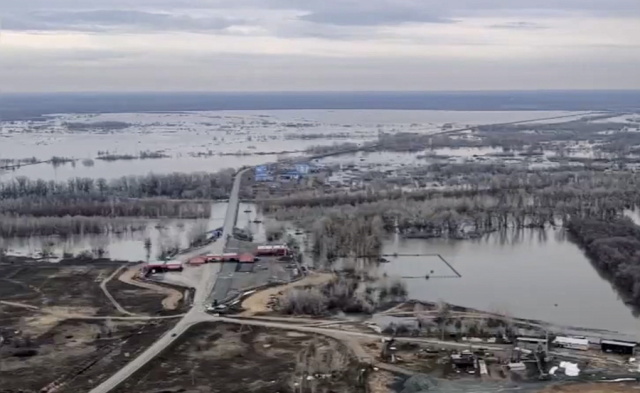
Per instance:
x=198, y=311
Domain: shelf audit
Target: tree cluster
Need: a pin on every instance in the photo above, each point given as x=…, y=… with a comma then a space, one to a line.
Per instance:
x=614, y=248
x=174, y=185
x=12, y=226
x=91, y=206
x=346, y=294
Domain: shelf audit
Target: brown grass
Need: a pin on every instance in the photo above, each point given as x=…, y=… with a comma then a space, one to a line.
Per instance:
x=258, y=302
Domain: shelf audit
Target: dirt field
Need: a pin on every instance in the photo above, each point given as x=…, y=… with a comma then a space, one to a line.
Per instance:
x=232, y=358
x=45, y=338
x=594, y=388
x=75, y=354
x=155, y=299
x=381, y=381
x=259, y=302
x=49, y=285
x=172, y=296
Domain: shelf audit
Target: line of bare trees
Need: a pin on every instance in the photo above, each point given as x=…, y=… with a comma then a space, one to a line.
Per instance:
x=614, y=248
x=495, y=202
x=12, y=226
x=197, y=185
x=92, y=206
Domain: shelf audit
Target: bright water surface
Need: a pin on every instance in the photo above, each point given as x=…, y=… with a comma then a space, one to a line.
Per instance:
x=535, y=274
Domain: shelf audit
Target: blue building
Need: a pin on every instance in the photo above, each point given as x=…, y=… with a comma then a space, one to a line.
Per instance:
x=262, y=173
x=302, y=169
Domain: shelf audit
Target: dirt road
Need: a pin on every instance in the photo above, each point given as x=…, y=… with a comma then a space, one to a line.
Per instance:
x=103, y=286
x=172, y=299
x=21, y=305
x=197, y=313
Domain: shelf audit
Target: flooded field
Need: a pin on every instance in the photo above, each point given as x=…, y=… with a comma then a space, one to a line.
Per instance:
x=202, y=141
x=116, y=169
x=529, y=274
x=128, y=246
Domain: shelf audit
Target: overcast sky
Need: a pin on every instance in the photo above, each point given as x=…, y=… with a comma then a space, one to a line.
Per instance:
x=258, y=45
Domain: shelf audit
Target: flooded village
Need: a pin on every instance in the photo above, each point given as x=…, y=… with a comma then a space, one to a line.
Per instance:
x=302, y=251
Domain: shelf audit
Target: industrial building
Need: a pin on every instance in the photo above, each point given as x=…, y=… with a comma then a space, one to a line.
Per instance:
x=200, y=260
x=246, y=258
x=161, y=267
x=581, y=344
x=619, y=347
x=273, y=250
x=531, y=343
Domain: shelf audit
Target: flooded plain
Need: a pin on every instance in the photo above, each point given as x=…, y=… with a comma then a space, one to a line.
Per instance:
x=128, y=246
x=531, y=273
x=210, y=141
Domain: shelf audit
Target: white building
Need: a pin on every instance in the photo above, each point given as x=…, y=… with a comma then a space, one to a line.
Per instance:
x=581, y=344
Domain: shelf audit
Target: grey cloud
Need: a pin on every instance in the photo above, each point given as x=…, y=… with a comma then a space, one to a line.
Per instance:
x=104, y=20
x=518, y=25
x=357, y=13
x=371, y=17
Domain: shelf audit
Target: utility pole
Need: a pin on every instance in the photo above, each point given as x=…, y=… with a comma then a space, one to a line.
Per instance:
x=546, y=330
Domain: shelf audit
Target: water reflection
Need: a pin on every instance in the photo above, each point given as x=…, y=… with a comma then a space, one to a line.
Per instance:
x=523, y=272
x=128, y=246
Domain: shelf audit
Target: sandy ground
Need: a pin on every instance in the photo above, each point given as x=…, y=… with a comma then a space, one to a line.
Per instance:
x=594, y=388
x=258, y=302
x=172, y=299
x=380, y=381
x=49, y=317
x=188, y=278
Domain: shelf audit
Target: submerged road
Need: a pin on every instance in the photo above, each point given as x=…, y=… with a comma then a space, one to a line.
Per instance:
x=198, y=311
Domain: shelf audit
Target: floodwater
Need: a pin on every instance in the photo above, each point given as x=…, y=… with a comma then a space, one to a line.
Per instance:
x=533, y=274
x=116, y=169
x=181, y=134
x=251, y=219
x=125, y=247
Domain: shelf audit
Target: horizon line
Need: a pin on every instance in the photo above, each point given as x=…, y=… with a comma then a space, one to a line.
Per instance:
x=101, y=92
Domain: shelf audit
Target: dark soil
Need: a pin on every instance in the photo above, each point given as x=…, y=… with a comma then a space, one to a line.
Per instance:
x=40, y=347
x=240, y=359
x=144, y=301
x=74, y=354
x=50, y=285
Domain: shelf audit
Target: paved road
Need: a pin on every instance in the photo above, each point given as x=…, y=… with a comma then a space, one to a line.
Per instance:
x=198, y=311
